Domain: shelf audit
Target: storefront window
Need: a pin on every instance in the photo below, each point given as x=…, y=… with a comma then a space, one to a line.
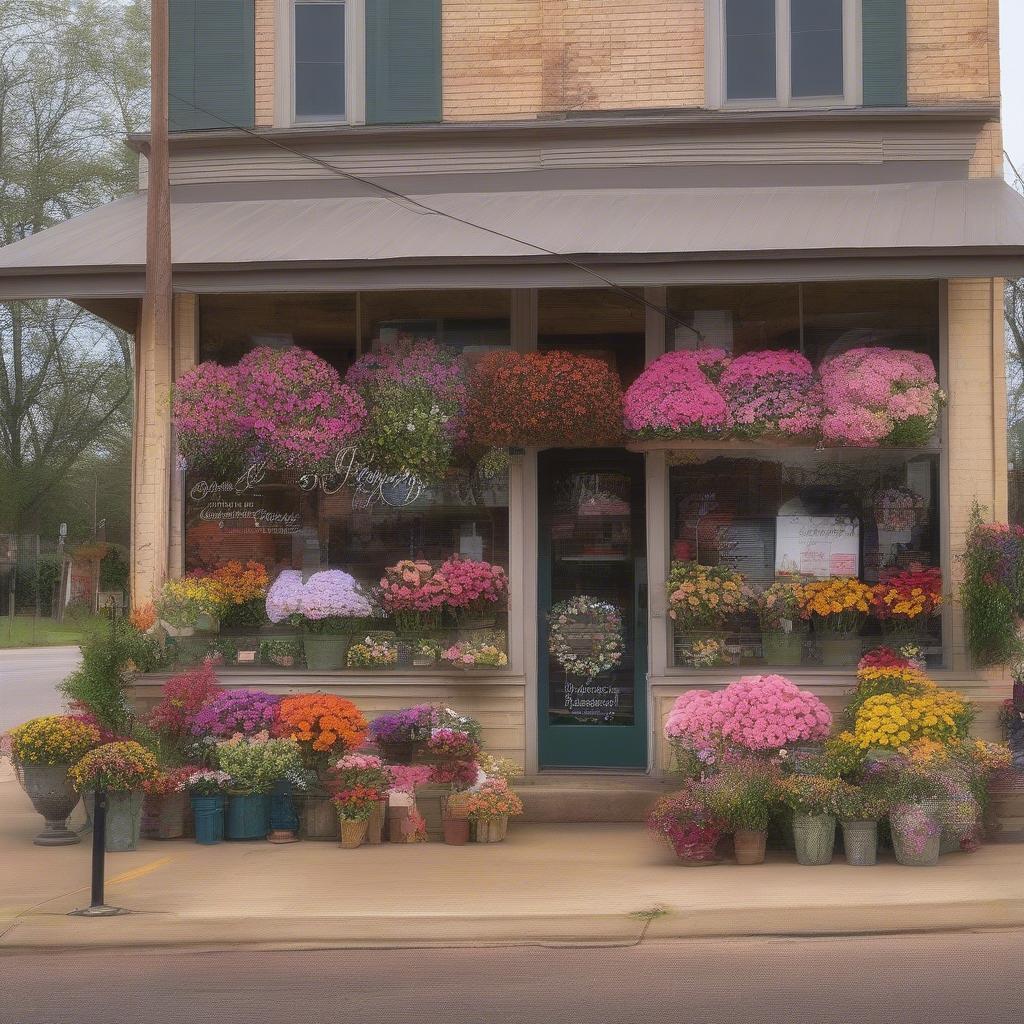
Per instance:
x=804, y=515
x=819, y=320
x=594, y=322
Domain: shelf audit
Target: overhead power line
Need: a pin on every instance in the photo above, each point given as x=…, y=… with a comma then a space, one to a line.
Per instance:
x=418, y=206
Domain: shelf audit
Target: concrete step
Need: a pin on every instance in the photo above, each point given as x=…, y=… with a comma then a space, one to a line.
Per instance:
x=570, y=797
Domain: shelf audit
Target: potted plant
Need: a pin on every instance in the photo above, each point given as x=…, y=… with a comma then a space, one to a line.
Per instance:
x=814, y=801
x=783, y=628
x=476, y=590
x=414, y=594
x=487, y=651
x=281, y=653
x=256, y=764
x=490, y=807
x=119, y=770
x=544, y=400
x=585, y=636
x=323, y=724
x=397, y=734
x=244, y=592
x=163, y=807
x=743, y=795
x=702, y=599
x=181, y=698
x=916, y=834
x=427, y=652
x=690, y=825
x=366, y=772
x=859, y=809
x=904, y=599
x=208, y=793
x=838, y=608
x=455, y=818
x=377, y=651
x=43, y=751
x=354, y=806
x=405, y=823
x=332, y=608
x=229, y=712
x=192, y=602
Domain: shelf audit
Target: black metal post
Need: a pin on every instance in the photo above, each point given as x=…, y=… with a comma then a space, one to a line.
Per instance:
x=97, y=907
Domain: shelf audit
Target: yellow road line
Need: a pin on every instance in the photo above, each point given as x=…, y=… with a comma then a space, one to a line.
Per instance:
x=129, y=876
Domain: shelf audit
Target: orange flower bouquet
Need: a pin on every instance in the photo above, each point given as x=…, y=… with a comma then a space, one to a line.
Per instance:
x=544, y=399
x=323, y=724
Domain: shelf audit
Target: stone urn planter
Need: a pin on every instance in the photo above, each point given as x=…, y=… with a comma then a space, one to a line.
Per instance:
x=124, y=821
x=814, y=836
x=54, y=797
x=860, y=841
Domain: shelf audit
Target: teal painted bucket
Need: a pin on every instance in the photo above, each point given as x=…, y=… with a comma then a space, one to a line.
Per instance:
x=208, y=816
x=248, y=816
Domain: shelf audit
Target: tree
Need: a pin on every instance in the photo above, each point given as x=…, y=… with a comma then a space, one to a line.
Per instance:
x=73, y=82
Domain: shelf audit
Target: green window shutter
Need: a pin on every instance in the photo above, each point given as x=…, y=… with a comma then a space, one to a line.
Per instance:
x=212, y=70
x=885, y=53
x=403, y=61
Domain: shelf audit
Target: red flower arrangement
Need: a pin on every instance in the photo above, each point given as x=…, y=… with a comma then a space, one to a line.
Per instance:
x=544, y=399
x=907, y=595
x=183, y=695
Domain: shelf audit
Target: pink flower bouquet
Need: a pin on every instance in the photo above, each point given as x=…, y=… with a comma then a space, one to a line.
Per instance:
x=210, y=418
x=474, y=588
x=414, y=594
x=758, y=713
x=676, y=397
x=880, y=396
x=772, y=394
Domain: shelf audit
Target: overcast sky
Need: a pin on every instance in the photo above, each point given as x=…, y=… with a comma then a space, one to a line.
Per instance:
x=1012, y=44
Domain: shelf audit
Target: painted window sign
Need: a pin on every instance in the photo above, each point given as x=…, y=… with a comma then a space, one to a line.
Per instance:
x=819, y=546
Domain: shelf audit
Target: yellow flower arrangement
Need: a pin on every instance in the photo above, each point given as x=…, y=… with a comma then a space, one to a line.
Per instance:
x=52, y=740
x=841, y=604
x=705, y=596
x=897, y=720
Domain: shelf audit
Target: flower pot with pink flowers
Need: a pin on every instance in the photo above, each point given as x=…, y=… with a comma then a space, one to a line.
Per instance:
x=690, y=824
x=489, y=809
x=477, y=590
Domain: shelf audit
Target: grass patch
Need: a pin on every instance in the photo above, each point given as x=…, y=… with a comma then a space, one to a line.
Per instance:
x=29, y=631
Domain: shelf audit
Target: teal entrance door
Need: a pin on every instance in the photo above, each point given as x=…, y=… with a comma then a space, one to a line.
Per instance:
x=592, y=545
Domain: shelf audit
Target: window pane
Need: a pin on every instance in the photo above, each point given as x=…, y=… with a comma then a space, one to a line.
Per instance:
x=594, y=322
x=766, y=515
x=750, y=49
x=817, y=54
x=319, y=60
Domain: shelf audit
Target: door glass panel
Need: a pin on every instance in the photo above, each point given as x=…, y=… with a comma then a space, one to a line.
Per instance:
x=593, y=554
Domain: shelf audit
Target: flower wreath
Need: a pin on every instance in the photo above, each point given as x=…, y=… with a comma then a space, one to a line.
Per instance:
x=585, y=636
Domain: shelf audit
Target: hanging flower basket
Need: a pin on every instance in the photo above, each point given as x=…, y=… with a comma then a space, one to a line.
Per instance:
x=544, y=400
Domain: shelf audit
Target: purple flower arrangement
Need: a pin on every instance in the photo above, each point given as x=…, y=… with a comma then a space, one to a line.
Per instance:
x=326, y=603
x=409, y=725
x=236, y=711
x=772, y=394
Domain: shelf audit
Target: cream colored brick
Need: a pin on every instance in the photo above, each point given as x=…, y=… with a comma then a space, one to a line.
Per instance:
x=952, y=51
x=266, y=41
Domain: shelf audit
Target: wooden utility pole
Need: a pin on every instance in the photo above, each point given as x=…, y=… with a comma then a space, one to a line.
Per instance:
x=154, y=355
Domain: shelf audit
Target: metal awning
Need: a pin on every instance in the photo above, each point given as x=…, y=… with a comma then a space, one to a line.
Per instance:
x=298, y=238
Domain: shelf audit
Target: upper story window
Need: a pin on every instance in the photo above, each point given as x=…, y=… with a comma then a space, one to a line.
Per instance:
x=323, y=41
x=783, y=53
x=319, y=39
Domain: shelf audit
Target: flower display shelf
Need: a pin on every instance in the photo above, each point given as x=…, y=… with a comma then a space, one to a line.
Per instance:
x=740, y=444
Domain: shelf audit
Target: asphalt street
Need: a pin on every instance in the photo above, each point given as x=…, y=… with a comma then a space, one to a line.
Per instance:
x=28, y=681
x=902, y=979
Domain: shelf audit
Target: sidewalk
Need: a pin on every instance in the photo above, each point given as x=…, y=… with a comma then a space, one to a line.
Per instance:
x=546, y=883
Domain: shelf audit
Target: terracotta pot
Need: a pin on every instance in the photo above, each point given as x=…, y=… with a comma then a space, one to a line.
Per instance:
x=353, y=833
x=398, y=824
x=456, y=831
x=163, y=817
x=375, y=823
x=749, y=846
x=54, y=797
